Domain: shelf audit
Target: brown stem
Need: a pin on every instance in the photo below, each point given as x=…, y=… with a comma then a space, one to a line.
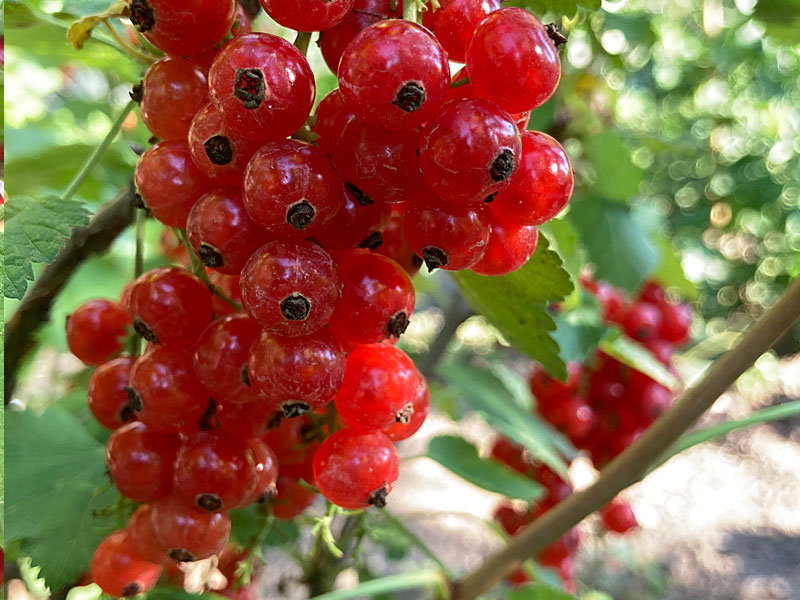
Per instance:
x=630, y=466
x=34, y=310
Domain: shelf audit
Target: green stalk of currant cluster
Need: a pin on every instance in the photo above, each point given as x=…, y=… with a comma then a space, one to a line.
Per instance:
x=199, y=270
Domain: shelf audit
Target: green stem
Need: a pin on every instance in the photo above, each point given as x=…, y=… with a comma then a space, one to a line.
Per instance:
x=97, y=153
x=424, y=578
x=410, y=10
x=460, y=82
x=417, y=541
x=199, y=271
x=138, y=269
x=302, y=40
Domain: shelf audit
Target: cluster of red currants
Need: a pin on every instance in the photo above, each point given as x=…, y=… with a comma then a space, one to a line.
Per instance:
x=602, y=408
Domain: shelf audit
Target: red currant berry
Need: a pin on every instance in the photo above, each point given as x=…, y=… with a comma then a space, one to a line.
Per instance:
x=359, y=223
x=561, y=549
x=675, y=322
x=107, y=395
x=174, y=89
x=455, y=21
x=227, y=285
x=298, y=374
x=118, y=571
x=165, y=391
x=188, y=533
x=539, y=188
x=215, y=471
x=469, y=151
x=420, y=404
x=379, y=387
x=294, y=443
x=446, y=236
x=140, y=461
x=142, y=540
x=222, y=233
x=395, y=246
x=381, y=163
x=548, y=390
x=94, y=330
x=245, y=414
x=169, y=306
x=376, y=302
x=653, y=400
x=661, y=349
x=574, y=417
x=221, y=351
x=292, y=498
x=330, y=117
x=172, y=248
x=394, y=75
x=642, y=322
x=169, y=182
x=266, y=464
x=515, y=39
x=354, y=470
x=510, y=519
x=333, y=41
x=618, y=516
x=263, y=86
x=290, y=288
x=652, y=292
x=220, y=154
x=307, y=15
x=512, y=455
x=182, y=27
x=291, y=189
x=507, y=250
x=464, y=90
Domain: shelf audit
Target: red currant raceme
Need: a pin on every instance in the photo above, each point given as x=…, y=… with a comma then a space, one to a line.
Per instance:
x=94, y=330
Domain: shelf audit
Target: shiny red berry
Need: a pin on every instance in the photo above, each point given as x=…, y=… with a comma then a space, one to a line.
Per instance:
x=140, y=461
x=117, y=570
x=618, y=516
x=291, y=189
x=464, y=90
x=294, y=442
x=292, y=498
x=94, y=330
x=245, y=414
x=420, y=404
x=507, y=250
x=395, y=246
x=140, y=535
x=107, y=394
x=330, y=118
x=512, y=61
x=676, y=320
x=290, y=288
x=188, y=533
x=355, y=470
x=266, y=463
x=358, y=224
x=454, y=23
x=642, y=321
x=394, y=75
x=173, y=90
x=307, y=15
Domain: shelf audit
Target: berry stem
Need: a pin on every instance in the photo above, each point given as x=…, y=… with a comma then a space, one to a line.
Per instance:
x=633, y=464
x=135, y=340
x=302, y=40
x=97, y=153
x=460, y=82
x=199, y=271
x=410, y=9
x=142, y=57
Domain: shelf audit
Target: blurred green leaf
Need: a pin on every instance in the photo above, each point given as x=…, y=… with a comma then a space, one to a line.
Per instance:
x=56, y=471
x=166, y=592
x=577, y=341
x=516, y=303
x=636, y=356
x=35, y=230
x=487, y=395
x=248, y=523
x=81, y=8
x=617, y=177
x=538, y=591
x=669, y=271
x=782, y=18
x=461, y=457
x=562, y=7
x=394, y=540
x=17, y=15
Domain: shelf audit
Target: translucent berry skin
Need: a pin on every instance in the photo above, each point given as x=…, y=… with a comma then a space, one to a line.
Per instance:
x=266, y=463
x=290, y=288
x=107, y=396
x=379, y=386
x=188, y=533
x=464, y=90
x=294, y=444
x=394, y=75
x=455, y=21
x=263, y=86
x=307, y=15
x=642, y=322
x=618, y=516
x=381, y=163
x=174, y=89
x=395, y=246
x=330, y=117
x=221, y=352
x=169, y=182
x=291, y=189
x=540, y=188
x=421, y=403
x=140, y=461
x=333, y=42
x=446, y=236
x=355, y=470
x=142, y=540
x=531, y=68
x=183, y=27
x=298, y=374
x=215, y=471
x=168, y=395
x=227, y=285
x=246, y=413
x=222, y=233
x=676, y=319
x=118, y=571
x=221, y=154
x=359, y=223
x=508, y=249
x=169, y=305
x=377, y=299
x=292, y=498
x=469, y=151
x=94, y=330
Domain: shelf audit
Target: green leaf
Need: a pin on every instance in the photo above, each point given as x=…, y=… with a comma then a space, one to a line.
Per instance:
x=669, y=271
x=17, y=14
x=617, y=177
x=562, y=7
x=35, y=230
x=394, y=541
x=248, y=523
x=421, y=578
x=166, y=592
x=616, y=241
x=57, y=480
x=516, y=303
x=636, y=356
x=538, y=591
x=462, y=458
x=491, y=400
x=782, y=18
x=577, y=341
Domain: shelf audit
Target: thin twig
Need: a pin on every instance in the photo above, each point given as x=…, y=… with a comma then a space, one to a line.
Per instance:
x=302, y=40
x=630, y=466
x=140, y=56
